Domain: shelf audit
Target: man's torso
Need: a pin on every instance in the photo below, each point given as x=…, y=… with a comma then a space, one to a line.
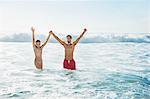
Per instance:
x=69, y=49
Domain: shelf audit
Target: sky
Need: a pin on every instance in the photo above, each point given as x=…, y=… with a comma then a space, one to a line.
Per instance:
x=71, y=17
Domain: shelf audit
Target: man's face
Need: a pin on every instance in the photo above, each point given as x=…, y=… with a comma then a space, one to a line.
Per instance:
x=38, y=44
x=69, y=39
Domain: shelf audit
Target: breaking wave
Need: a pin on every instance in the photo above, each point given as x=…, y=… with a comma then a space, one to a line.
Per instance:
x=101, y=38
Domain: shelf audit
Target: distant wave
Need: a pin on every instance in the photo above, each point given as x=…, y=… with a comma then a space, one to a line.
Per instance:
x=110, y=38
x=21, y=37
x=101, y=38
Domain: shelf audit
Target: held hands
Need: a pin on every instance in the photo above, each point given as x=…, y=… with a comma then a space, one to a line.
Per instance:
x=50, y=32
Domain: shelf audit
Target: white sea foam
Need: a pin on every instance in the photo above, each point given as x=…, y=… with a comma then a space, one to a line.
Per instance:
x=104, y=71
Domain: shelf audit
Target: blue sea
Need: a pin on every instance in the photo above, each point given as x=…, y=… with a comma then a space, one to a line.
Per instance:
x=119, y=70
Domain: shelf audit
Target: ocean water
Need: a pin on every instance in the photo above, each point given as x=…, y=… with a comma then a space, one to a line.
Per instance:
x=104, y=71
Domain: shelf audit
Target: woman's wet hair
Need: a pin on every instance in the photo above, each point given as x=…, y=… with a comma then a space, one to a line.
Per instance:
x=69, y=36
x=38, y=41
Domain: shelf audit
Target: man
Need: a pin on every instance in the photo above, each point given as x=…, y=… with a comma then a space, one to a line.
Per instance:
x=38, y=49
x=69, y=62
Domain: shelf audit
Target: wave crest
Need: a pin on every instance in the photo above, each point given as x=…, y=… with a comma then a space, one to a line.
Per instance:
x=101, y=38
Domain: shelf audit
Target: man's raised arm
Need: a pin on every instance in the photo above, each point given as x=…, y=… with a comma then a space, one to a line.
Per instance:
x=33, y=38
x=47, y=39
x=58, y=39
x=77, y=40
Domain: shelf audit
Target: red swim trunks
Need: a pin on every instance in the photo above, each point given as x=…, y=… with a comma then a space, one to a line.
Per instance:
x=70, y=65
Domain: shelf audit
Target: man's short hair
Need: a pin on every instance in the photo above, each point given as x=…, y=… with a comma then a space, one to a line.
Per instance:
x=38, y=41
x=69, y=36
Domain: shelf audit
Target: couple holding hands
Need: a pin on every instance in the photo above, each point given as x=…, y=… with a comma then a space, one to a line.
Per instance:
x=69, y=46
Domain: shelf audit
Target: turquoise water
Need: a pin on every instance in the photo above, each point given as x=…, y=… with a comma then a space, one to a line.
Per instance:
x=104, y=71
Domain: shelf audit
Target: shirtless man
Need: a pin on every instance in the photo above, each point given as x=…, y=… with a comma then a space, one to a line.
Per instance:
x=69, y=62
x=38, y=49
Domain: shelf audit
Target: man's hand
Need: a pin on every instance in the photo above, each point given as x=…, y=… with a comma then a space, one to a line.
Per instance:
x=85, y=30
x=32, y=29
